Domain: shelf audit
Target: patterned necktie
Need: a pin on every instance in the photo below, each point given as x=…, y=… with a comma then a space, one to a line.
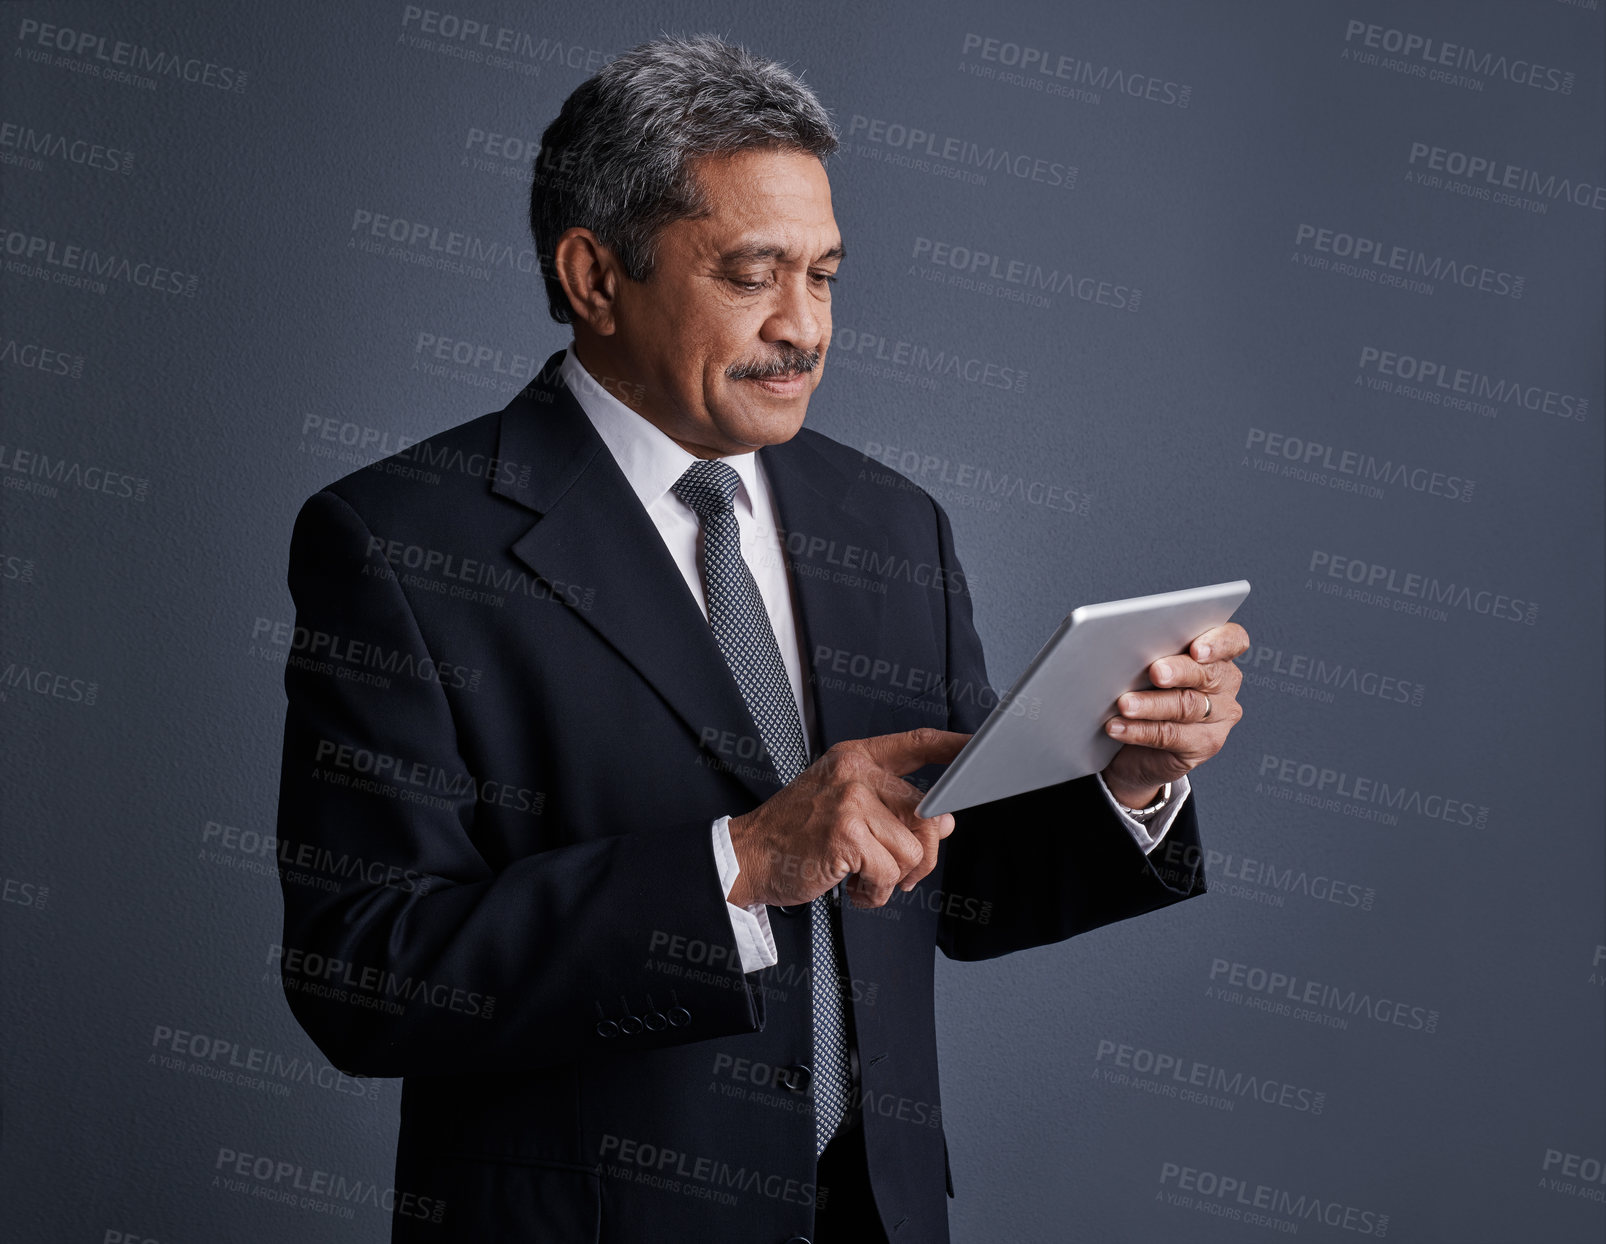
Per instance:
x=742, y=630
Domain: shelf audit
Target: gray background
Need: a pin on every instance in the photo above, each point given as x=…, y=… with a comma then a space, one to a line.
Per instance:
x=126, y=916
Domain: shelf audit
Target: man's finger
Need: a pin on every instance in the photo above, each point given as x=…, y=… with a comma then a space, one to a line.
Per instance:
x=913, y=749
x=1185, y=704
x=878, y=871
x=1164, y=736
x=930, y=841
x=901, y=798
x=1179, y=670
x=897, y=840
x=1183, y=671
x=1220, y=643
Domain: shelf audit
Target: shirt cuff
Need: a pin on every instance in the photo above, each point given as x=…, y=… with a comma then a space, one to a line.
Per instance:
x=755, y=943
x=1148, y=836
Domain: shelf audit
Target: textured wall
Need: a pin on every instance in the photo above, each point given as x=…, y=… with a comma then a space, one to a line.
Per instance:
x=1147, y=295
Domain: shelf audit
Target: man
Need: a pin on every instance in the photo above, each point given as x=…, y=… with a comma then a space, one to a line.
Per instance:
x=578, y=696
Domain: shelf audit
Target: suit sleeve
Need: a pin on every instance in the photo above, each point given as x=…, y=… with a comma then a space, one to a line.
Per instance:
x=1040, y=867
x=404, y=952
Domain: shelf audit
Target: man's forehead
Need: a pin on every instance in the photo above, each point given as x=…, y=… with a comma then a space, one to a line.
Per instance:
x=776, y=249
x=765, y=206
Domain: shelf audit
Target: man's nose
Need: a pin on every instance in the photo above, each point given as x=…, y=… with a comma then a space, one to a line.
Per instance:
x=797, y=317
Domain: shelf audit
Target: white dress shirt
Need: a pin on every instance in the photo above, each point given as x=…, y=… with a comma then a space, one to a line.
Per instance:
x=652, y=463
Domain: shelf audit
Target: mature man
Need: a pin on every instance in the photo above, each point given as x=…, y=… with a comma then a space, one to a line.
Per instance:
x=583, y=696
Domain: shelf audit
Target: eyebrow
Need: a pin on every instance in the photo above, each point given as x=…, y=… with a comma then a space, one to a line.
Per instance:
x=768, y=250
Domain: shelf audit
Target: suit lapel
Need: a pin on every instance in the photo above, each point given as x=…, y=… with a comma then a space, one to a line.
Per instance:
x=594, y=535
x=828, y=546
x=833, y=552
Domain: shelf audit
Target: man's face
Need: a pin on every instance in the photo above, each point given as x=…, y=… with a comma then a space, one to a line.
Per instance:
x=728, y=335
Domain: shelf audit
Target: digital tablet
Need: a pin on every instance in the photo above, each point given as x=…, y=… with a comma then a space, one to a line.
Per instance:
x=1049, y=727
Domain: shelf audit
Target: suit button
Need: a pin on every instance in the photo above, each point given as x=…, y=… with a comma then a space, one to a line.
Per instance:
x=797, y=909
x=656, y=1021
x=607, y=1028
x=799, y=1239
x=630, y=1025
x=797, y=1078
x=679, y=1016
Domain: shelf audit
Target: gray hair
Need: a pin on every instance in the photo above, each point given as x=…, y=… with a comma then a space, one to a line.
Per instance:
x=616, y=159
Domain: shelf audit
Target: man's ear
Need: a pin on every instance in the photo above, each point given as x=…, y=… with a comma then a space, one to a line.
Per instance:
x=590, y=274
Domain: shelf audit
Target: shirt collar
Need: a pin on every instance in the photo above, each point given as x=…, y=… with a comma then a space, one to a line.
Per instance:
x=650, y=460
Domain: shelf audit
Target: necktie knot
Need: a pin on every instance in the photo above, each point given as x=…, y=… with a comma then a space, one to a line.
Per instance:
x=708, y=487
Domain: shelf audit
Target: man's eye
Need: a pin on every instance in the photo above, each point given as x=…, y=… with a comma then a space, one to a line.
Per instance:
x=823, y=278
x=747, y=285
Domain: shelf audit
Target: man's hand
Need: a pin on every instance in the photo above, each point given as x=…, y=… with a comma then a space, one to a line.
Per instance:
x=850, y=812
x=1167, y=732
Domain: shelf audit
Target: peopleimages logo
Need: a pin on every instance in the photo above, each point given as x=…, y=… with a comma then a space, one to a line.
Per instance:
x=1261, y=662
x=1056, y=68
x=1376, y=578
x=506, y=155
x=47, y=683
x=473, y=363
x=1432, y=58
x=1328, y=1006
x=372, y=988
x=1445, y=384
x=233, y=1062
x=509, y=147
x=1020, y=279
x=117, y=58
x=294, y=1184
x=1178, y=1072
x=1490, y=178
x=1353, y=469
x=1574, y=1174
x=1261, y=880
x=52, y=362
x=1405, y=266
x=475, y=41
x=852, y=345
x=428, y=239
x=23, y=144
x=962, y=152
x=1323, y=787
x=1228, y=1196
x=33, y=471
x=689, y=1174
x=68, y=263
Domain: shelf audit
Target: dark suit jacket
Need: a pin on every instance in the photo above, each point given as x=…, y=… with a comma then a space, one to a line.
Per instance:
x=509, y=729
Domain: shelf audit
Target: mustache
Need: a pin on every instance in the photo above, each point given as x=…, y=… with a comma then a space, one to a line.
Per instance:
x=786, y=361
